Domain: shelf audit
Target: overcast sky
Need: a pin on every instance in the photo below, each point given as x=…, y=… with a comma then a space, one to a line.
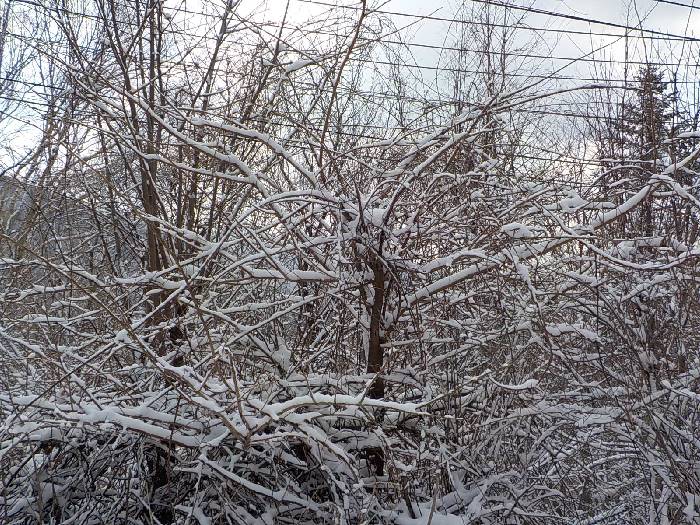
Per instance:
x=655, y=16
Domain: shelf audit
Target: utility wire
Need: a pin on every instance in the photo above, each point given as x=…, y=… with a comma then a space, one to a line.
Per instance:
x=670, y=2
x=663, y=35
x=657, y=35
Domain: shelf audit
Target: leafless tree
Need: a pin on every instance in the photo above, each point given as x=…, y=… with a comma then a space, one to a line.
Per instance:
x=260, y=277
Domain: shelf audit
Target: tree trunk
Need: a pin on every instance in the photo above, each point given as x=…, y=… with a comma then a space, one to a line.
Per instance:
x=375, y=354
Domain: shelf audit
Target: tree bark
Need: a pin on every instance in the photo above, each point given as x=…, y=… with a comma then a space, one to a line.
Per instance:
x=375, y=354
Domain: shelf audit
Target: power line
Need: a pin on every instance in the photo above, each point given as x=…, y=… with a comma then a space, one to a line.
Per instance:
x=424, y=46
x=390, y=96
x=376, y=94
x=584, y=19
x=670, y=2
x=543, y=112
x=658, y=34
x=436, y=47
x=543, y=76
x=526, y=55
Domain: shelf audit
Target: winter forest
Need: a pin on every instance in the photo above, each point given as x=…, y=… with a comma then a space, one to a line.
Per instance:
x=349, y=262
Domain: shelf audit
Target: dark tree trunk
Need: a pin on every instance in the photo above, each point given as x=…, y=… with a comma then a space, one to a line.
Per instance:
x=375, y=355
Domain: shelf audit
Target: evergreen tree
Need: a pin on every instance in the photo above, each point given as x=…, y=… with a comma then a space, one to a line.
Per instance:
x=644, y=139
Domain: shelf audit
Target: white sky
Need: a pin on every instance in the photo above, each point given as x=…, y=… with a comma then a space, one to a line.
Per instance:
x=656, y=16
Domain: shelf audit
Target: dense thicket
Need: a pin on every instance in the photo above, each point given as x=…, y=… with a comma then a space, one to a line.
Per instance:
x=256, y=273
